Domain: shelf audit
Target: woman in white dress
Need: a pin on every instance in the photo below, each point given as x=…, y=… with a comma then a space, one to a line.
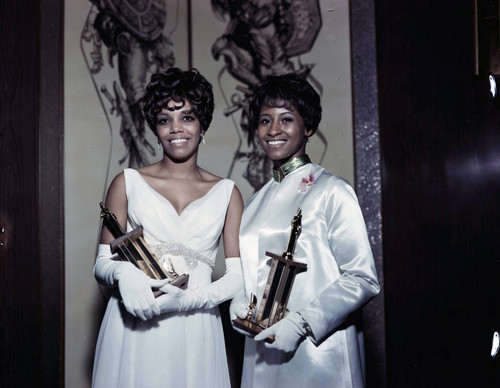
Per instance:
x=317, y=343
x=175, y=340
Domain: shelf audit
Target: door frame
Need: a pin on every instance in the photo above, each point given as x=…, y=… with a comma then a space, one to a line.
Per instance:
x=368, y=174
x=50, y=191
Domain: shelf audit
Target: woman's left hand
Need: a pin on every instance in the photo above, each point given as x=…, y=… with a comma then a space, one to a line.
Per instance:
x=171, y=300
x=287, y=333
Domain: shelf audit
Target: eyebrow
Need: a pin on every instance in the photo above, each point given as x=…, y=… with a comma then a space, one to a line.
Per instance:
x=288, y=112
x=186, y=111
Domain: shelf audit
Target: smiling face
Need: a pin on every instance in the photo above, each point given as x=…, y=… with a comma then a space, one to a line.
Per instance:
x=178, y=131
x=281, y=133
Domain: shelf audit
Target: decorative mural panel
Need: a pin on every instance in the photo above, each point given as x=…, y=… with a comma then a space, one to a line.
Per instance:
x=260, y=40
x=123, y=43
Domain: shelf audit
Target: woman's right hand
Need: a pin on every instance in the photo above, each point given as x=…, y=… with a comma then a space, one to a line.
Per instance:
x=136, y=293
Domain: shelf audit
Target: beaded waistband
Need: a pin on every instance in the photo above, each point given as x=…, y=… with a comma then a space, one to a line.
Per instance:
x=191, y=257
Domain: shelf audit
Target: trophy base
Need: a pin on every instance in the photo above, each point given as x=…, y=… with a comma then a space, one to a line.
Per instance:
x=251, y=328
x=247, y=326
x=181, y=282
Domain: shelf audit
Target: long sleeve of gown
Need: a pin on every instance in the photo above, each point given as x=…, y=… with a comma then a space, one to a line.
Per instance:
x=358, y=281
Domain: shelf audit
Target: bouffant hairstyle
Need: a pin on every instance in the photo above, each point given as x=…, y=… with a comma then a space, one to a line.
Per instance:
x=289, y=91
x=179, y=86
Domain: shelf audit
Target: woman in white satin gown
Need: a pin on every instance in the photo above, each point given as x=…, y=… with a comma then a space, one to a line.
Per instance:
x=317, y=343
x=175, y=340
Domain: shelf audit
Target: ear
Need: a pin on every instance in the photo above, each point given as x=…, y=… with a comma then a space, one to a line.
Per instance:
x=308, y=132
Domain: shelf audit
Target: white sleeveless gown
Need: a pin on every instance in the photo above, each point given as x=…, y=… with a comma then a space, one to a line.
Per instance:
x=176, y=349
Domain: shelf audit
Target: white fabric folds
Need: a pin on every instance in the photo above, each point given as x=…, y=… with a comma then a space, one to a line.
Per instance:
x=340, y=278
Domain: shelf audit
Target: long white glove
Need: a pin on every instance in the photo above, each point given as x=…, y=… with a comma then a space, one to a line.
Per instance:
x=206, y=297
x=239, y=309
x=288, y=333
x=134, y=285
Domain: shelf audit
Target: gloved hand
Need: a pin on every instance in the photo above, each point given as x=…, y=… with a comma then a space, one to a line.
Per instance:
x=134, y=285
x=288, y=333
x=239, y=309
x=173, y=299
x=209, y=296
x=136, y=293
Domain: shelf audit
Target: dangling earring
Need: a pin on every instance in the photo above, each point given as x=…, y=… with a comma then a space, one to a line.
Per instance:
x=308, y=142
x=158, y=143
x=203, y=139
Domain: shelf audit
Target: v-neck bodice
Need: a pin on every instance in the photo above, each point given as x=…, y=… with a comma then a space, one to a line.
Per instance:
x=198, y=226
x=170, y=203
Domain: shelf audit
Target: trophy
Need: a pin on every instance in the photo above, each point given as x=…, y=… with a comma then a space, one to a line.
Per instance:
x=133, y=248
x=279, y=284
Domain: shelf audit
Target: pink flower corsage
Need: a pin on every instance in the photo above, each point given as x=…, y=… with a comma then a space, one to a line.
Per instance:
x=306, y=182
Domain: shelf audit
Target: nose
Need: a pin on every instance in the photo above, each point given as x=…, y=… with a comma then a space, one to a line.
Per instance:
x=275, y=128
x=176, y=127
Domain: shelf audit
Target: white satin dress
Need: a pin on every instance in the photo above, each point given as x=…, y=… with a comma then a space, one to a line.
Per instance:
x=174, y=350
x=340, y=278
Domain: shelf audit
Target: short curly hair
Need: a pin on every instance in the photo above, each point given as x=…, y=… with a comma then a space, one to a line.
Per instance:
x=290, y=91
x=179, y=86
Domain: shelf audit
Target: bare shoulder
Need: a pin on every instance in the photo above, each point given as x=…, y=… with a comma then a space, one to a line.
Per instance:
x=117, y=184
x=213, y=179
x=152, y=170
x=208, y=177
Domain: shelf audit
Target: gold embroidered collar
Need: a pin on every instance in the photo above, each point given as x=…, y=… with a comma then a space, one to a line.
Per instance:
x=291, y=166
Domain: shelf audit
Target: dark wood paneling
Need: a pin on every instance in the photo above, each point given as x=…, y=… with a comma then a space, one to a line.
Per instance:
x=31, y=207
x=440, y=149
x=19, y=257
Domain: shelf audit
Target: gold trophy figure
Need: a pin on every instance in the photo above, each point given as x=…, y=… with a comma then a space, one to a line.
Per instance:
x=279, y=284
x=133, y=248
